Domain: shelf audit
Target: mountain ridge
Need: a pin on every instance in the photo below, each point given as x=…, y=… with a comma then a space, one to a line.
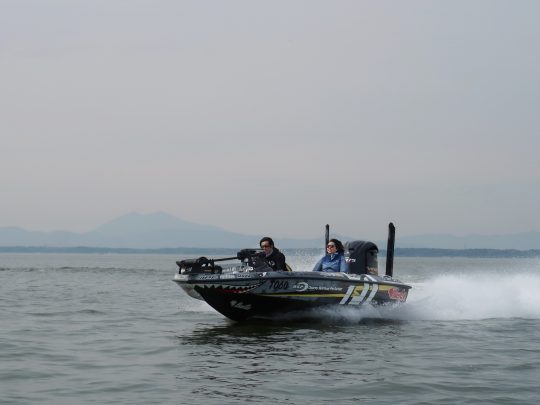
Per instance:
x=160, y=230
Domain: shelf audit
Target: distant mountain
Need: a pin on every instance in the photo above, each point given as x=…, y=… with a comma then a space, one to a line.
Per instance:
x=11, y=236
x=160, y=230
x=157, y=221
x=145, y=231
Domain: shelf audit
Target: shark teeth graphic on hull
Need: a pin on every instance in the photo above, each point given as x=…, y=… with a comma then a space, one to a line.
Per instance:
x=234, y=289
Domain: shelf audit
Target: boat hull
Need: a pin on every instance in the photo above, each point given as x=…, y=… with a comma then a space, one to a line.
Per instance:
x=247, y=295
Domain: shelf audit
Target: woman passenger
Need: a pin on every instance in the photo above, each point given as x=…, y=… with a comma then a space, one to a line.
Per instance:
x=334, y=260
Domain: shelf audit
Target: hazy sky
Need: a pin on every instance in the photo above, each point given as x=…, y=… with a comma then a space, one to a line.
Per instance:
x=274, y=116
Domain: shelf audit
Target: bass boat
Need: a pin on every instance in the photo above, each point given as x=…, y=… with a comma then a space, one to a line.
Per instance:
x=242, y=289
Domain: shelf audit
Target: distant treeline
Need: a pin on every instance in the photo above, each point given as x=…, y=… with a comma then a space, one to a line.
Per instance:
x=399, y=252
x=481, y=253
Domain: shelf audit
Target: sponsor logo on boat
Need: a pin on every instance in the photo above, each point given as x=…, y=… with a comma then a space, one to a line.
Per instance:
x=208, y=277
x=350, y=260
x=302, y=286
x=243, y=275
x=223, y=276
x=397, y=294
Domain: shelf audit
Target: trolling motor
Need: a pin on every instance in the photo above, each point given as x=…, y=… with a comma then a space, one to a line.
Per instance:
x=205, y=265
x=254, y=258
x=249, y=254
x=201, y=265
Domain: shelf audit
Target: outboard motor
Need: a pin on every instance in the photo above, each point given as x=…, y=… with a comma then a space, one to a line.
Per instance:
x=361, y=257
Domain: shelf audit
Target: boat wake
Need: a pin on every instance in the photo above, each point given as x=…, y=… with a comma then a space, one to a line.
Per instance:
x=474, y=297
x=446, y=298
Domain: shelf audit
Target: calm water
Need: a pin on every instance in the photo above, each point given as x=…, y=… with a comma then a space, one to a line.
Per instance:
x=115, y=329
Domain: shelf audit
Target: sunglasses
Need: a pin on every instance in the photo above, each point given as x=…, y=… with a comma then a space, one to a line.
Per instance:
x=330, y=246
x=265, y=246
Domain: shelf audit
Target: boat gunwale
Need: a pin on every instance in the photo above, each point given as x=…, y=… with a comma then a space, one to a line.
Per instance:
x=286, y=275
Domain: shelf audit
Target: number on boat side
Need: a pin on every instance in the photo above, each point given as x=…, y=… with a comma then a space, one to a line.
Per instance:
x=279, y=284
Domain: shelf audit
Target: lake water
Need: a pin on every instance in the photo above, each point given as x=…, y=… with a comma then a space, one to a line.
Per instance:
x=114, y=328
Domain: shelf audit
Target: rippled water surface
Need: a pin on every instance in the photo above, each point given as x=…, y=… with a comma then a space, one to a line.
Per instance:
x=115, y=329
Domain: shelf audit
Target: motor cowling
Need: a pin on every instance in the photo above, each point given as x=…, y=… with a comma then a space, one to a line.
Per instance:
x=200, y=265
x=362, y=257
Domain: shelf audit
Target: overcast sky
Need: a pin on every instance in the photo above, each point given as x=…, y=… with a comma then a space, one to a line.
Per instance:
x=272, y=117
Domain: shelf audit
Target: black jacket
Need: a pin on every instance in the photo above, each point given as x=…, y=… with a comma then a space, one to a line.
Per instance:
x=276, y=260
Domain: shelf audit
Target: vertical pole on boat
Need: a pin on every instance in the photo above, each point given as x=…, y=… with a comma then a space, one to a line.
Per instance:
x=326, y=236
x=390, y=250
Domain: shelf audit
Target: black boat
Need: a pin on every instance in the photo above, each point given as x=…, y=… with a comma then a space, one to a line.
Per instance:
x=243, y=290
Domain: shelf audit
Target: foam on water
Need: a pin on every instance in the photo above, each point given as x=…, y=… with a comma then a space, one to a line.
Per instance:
x=478, y=296
x=454, y=297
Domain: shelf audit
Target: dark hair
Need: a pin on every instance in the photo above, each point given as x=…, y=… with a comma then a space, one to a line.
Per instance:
x=339, y=245
x=266, y=239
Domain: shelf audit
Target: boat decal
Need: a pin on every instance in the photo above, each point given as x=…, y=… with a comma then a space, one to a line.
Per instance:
x=303, y=286
x=279, y=285
x=397, y=294
x=240, y=305
x=305, y=295
x=235, y=289
x=347, y=295
x=360, y=294
x=374, y=288
x=245, y=275
x=358, y=298
x=228, y=276
x=208, y=277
